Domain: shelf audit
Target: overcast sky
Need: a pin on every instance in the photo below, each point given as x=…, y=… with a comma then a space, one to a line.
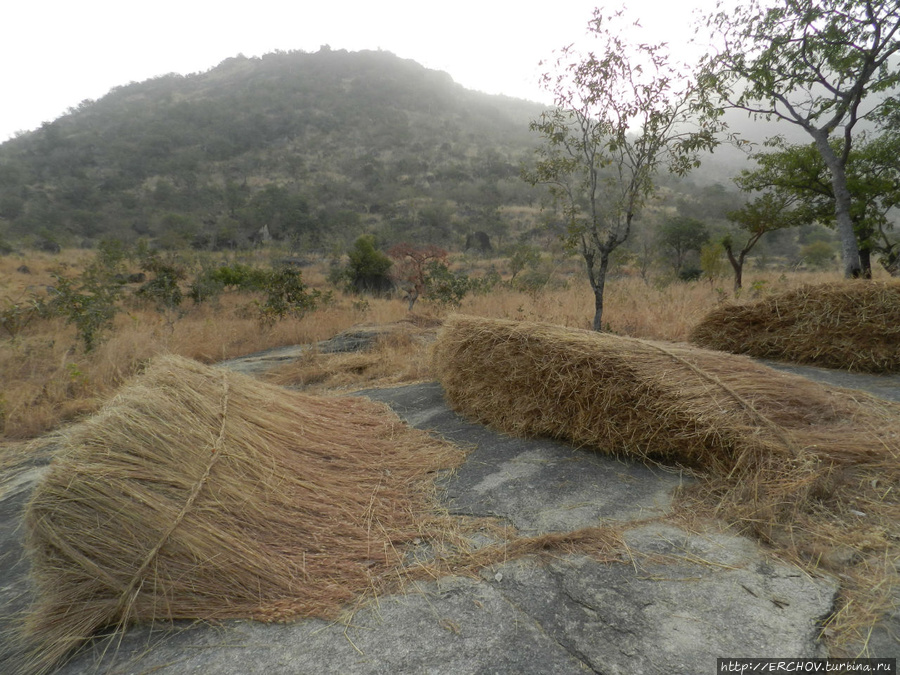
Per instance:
x=56, y=53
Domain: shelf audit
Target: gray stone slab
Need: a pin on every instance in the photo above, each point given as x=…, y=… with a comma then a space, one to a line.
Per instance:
x=885, y=386
x=260, y=362
x=453, y=626
x=709, y=599
x=348, y=341
x=538, y=485
x=15, y=591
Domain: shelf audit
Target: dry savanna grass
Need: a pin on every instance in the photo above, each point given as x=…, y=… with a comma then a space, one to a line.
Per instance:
x=812, y=471
x=633, y=308
x=850, y=325
x=398, y=355
x=200, y=493
x=48, y=379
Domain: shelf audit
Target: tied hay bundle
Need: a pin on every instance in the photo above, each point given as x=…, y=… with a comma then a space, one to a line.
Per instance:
x=851, y=325
x=768, y=442
x=201, y=493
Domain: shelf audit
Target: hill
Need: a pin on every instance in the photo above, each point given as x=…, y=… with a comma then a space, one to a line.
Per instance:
x=316, y=146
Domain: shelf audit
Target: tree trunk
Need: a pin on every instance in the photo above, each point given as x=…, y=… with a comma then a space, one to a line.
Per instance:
x=849, y=244
x=865, y=262
x=890, y=260
x=412, y=295
x=738, y=277
x=737, y=264
x=598, y=283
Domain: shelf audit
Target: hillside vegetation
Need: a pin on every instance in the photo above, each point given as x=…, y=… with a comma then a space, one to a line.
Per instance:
x=320, y=148
x=309, y=144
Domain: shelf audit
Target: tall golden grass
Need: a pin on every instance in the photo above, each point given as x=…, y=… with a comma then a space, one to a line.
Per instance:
x=47, y=379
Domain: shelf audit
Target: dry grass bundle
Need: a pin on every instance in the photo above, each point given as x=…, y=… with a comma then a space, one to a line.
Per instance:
x=197, y=492
x=812, y=471
x=850, y=325
x=682, y=405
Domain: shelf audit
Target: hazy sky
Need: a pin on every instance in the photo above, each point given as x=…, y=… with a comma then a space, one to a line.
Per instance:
x=56, y=53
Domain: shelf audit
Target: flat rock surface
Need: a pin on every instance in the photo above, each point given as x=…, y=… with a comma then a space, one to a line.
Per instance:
x=677, y=615
x=538, y=485
x=884, y=386
x=675, y=604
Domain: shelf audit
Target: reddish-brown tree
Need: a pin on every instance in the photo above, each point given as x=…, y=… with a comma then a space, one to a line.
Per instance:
x=411, y=267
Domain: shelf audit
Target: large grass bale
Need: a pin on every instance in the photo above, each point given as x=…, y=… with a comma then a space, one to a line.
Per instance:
x=849, y=325
x=672, y=403
x=768, y=444
x=200, y=493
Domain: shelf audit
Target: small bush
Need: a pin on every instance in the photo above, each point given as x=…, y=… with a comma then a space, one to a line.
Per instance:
x=367, y=271
x=690, y=274
x=711, y=261
x=818, y=254
x=524, y=256
x=211, y=282
x=445, y=287
x=90, y=301
x=286, y=294
x=532, y=281
x=241, y=277
x=163, y=288
x=17, y=314
x=486, y=284
x=204, y=288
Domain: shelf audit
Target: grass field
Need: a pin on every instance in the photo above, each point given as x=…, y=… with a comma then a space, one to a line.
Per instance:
x=49, y=379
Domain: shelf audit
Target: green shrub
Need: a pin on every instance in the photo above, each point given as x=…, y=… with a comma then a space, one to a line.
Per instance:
x=241, y=277
x=818, y=254
x=286, y=294
x=209, y=283
x=524, y=256
x=90, y=301
x=87, y=302
x=712, y=263
x=163, y=288
x=368, y=269
x=532, y=281
x=486, y=284
x=690, y=273
x=445, y=287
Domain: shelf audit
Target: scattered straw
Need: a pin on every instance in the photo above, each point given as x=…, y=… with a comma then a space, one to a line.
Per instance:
x=851, y=325
x=397, y=356
x=201, y=493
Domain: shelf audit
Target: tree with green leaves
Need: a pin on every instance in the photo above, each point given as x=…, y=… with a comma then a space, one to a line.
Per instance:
x=769, y=212
x=368, y=269
x=799, y=174
x=621, y=113
x=821, y=66
x=681, y=235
